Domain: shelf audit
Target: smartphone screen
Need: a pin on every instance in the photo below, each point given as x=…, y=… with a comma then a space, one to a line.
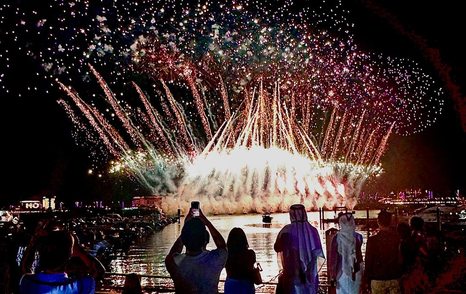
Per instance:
x=195, y=208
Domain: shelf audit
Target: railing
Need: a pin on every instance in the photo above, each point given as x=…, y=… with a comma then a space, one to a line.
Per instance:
x=164, y=284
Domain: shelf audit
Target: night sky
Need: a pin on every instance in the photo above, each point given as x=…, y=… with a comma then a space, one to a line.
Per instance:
x=40, y=157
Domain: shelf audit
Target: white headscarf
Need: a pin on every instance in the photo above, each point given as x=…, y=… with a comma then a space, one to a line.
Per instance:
x=347, y=242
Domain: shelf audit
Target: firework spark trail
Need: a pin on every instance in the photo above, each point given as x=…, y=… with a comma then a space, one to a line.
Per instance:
x=179, y=118
x=221, y=136
x=328, y=133
x=96, y=118
x=280, y=169
x=111, y=131
x=153, y=119
x=310, y=147
x=350, y=128
x=364, y=134
x=247, y=99
x=259, y=151
x=366, y=147
x=307, y=116
x=226, y=105
x=120, y=113
x=293, y=105
x=274, y=115
x=338, y=137
x=349, y=155
x=200, y=106
x=306, y=48
x=288, y=178
x=382, y=146
x=85, y=110
x=70, y=112
x=286, y=126
x=103, y=127
x=261, y=108
x=169, y=118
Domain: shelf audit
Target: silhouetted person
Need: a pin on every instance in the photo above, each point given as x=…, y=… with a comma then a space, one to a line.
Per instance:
x=414, y=278
x=435, y=252
x=300, y=252
x=345, y=260
x=8, y=267
x=383, y=262
x=132, y=284
x=76, y=268
x=407, y=247
x=240, y=264
x=197, y=270
x=55, y=248
x=418, y=234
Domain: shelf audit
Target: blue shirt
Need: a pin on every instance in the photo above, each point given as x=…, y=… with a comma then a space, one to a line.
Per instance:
x=59, y=283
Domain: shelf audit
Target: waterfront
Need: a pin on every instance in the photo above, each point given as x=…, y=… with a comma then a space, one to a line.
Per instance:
x=137, y=241
x=147, y=258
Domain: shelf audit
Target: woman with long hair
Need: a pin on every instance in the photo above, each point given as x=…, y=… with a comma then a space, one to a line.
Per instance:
x=240, y=264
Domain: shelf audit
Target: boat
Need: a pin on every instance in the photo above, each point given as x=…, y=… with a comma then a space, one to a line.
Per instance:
x=442, y=213
x=267, y=218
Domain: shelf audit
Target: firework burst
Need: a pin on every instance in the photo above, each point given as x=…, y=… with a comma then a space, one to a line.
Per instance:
x=245, y=106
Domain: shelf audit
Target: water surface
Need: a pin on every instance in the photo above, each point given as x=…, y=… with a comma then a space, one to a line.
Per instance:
x=147, y=258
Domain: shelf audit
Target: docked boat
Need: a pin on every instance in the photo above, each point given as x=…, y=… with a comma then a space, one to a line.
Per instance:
x=267, y=218
x=442, y=213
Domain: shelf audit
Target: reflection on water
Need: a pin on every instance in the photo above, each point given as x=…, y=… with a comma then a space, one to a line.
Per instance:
x=148, y=258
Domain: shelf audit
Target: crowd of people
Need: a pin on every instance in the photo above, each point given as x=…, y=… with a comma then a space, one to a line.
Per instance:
x=197, y=270
x=397, y=259
x=60, y=253
x=401, y=259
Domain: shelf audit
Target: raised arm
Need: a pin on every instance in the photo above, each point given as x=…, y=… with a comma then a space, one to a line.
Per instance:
x=95, y=268
x=30, y=253
x=170, y=258
x=216, y=236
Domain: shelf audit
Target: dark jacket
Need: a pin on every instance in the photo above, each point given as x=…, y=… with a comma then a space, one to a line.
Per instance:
x=383, y=260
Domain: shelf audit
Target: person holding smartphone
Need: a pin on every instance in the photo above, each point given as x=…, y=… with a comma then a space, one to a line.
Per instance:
x=197, y=270
x=195, y=208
